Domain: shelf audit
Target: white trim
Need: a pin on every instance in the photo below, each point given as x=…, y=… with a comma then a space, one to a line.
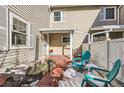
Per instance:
x=57, y=29
x=107, y=36
x=118, y=20
x=47, y=44
x=61, y=17
x=50, y=17
x=71, y=44
x=104, y=9
x=12, y=15
x=7, y=29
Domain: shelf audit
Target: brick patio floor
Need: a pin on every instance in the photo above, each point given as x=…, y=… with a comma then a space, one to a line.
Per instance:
x=60, y=58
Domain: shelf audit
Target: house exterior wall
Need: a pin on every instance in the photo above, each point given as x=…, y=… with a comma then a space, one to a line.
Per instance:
x=82, y=18
x=39, y=17
x=55, y=43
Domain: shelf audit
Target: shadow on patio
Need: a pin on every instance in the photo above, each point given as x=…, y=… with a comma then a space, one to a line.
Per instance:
x=57, y=71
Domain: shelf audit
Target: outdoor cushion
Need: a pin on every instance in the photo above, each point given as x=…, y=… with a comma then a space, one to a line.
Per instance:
x=57, y=72
x=61, y=64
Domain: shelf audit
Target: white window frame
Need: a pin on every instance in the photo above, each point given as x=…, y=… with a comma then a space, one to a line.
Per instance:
x=115, y=12
x=62, y=17
x=13, y=15
x=65, y=42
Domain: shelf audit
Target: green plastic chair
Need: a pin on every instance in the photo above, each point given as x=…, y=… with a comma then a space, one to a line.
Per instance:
x=98, y=81
x=79, y=63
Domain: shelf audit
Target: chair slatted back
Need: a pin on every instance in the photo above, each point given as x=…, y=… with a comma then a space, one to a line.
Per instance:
x=114, y=71
x=85, y=55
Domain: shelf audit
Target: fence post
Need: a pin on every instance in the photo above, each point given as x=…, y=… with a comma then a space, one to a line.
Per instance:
x=108, y=54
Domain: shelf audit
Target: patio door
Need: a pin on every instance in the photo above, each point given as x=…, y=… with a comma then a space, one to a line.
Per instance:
x=45, y=45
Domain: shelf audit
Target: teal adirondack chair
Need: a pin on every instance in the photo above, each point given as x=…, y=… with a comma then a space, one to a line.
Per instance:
x=79, y=63
x=102, y=82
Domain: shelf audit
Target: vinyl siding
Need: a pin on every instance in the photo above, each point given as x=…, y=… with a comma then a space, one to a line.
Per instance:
x=81, y=17
x=27, y=55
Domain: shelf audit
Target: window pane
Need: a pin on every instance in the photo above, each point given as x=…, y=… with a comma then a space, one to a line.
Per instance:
x=57, y=13
x=110, y=13
x=21, y=39
x=18, y=39
x=57, y=19
x=19, y=25
x=15, y=24
x=13, y=38
x=24, y=27
x=66, y=39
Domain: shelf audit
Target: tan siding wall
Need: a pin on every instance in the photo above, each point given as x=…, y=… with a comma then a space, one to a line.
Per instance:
x=82, y=18
x=39, y=17
x=56, y=44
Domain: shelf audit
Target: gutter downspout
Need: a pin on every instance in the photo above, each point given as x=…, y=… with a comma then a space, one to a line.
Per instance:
x=50, y=16
x=118, y=22
x=106, y=31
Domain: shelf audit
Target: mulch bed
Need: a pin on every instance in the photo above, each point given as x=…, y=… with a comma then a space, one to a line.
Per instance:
x=3, y=79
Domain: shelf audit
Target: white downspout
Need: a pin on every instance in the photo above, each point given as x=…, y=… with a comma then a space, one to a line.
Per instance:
x=118, y=22
x=71, y=38
x=50, y=15
x=106, y=32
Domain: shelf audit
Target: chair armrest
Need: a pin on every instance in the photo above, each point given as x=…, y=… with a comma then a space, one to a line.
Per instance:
x=92, y=77
x=85, y=61
x=98, y=69
x=76, y=59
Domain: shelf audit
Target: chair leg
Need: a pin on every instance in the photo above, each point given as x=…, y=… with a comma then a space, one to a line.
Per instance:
x=83, y=82
x=105, y=85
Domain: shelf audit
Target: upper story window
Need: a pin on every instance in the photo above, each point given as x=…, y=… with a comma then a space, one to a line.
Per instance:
x=108, y=13
x=58, y=16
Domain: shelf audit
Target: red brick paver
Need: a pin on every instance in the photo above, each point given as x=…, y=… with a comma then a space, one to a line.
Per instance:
x=45, y=81
x=60, y=58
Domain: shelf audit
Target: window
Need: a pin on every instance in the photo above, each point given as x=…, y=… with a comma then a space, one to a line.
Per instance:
x=20, y=34
x=108, y=13
x=66, y=39
x=58, y=16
